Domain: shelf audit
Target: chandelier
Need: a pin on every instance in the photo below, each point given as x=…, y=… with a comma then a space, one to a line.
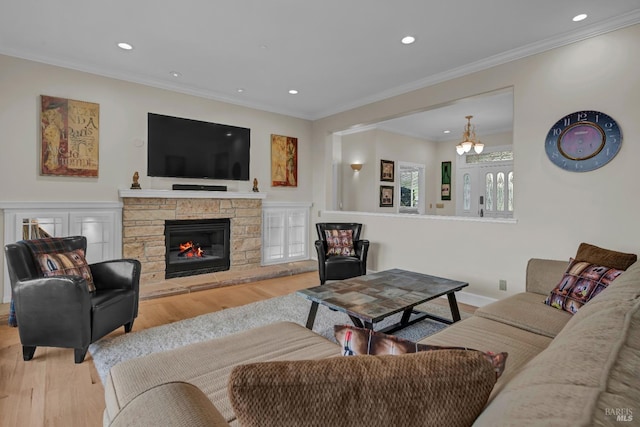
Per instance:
x=469, y=139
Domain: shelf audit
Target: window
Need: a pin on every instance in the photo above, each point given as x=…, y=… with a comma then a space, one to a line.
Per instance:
x=510, y=193
x=467, y=192
x=499, y=194
x=488, y=194
x=411, y=179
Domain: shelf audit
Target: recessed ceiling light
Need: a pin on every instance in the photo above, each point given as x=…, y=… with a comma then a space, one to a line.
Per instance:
x=293, y=92
x=125, y=46
x=175, y=74
x=580, y=17
x=447, y=131
x=408, y=40
x=240, y=90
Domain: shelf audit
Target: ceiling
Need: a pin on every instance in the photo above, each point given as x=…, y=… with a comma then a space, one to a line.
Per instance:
x=338, y=54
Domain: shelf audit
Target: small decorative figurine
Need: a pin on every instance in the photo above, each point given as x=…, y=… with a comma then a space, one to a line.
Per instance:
x=136, y=184
x=255, y=185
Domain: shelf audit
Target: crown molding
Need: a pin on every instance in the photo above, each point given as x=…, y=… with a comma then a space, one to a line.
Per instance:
x=603, y=27
x=158, y=84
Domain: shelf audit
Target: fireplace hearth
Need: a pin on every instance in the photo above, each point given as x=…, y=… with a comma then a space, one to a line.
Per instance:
x=196, y=246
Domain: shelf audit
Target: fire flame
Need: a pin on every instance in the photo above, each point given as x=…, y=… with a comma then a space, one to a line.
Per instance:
x=188, y=249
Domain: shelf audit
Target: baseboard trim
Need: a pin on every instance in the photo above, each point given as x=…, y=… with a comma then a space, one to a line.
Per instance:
x=473, y=299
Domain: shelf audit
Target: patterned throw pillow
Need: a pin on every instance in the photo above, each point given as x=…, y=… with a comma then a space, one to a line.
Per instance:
x=360, y=341
x=581, y=282
x=340, y=242
x=66, y=263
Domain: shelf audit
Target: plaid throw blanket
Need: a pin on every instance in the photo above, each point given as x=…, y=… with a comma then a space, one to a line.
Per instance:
x=38, y=246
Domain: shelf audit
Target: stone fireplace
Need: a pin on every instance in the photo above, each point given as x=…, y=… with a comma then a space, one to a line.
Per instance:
x=145, y=212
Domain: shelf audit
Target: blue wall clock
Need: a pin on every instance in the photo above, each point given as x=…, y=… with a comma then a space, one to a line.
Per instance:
x=583, y=141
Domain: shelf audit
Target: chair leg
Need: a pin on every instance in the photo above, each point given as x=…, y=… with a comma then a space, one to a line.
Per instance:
x=28, y=351
x=79, y=354
x=128, y=327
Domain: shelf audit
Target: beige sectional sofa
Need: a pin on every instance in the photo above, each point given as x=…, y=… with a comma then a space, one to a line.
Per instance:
x=562, y=369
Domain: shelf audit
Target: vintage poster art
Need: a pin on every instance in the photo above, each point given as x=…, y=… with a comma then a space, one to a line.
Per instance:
x=284, y=161
x=387, y=172
x=445, y=190
x=386, y=196
x=69, y=137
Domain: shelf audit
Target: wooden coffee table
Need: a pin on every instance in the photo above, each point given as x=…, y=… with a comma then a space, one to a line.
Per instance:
x=374, y=297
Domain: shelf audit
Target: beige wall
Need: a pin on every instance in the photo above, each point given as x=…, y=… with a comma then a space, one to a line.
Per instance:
x=123, y=126
x=357, y=187
x=123, y=119
x=361, y=190
x=555, y=209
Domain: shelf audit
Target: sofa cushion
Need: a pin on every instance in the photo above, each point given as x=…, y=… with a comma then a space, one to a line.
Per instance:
x=361, y=341
x=207, y=364
x=596, y=255
x=544, y=274
x=66, y=264
x=175, y=404
x=581, y=282
x=525, y=311
x=434, y=388
x=592, y=363
x=488, y=335
x=340, y=242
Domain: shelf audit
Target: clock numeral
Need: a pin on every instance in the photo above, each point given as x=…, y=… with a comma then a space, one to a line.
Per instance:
x=596, y=118
x=608, y=125
x=567, y=121
x=557, y=131
x=581, y=116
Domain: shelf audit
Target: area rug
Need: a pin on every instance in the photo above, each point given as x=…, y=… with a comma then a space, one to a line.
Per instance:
x=111, y=350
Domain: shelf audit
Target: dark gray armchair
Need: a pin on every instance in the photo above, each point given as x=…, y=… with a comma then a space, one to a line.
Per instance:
x=60, y=311
x=340, y=266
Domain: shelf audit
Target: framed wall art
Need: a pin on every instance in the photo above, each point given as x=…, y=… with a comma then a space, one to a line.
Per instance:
x=387, y=170
x=386, y=196
x=69, y=143
x=284, y=161
x=445, y=189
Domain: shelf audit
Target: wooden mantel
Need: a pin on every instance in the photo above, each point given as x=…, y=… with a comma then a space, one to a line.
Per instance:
x=189, y=194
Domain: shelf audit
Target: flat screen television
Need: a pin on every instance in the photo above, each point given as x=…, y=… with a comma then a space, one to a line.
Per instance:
x=185, y=148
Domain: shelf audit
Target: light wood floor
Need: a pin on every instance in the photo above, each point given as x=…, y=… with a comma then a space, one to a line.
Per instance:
x=51, y=390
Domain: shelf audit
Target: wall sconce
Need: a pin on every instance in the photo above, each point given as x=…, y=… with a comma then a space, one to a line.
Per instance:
x=356, y=167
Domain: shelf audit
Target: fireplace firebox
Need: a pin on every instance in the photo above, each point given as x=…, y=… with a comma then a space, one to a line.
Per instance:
x=196, y=246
